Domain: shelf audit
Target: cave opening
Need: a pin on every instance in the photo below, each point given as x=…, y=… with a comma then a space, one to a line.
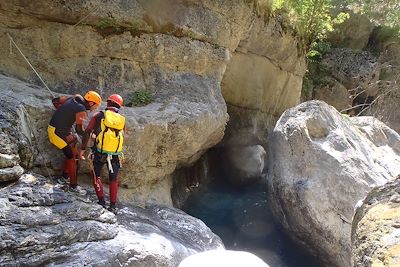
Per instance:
x=238, y=213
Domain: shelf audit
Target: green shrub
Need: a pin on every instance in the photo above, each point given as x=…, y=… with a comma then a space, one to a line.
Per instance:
x=317, y=50
x=140, y=98
x=316, y=72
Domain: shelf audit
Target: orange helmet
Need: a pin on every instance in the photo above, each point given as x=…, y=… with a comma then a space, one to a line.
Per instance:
x=92, y=96
x=116, y=98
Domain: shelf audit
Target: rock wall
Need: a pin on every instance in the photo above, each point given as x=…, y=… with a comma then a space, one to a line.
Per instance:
x=178, y=51
x=263, y=79
x=375, y=230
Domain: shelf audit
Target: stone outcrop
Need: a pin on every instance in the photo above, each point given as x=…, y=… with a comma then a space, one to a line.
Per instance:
x=358, y=80
x=353, y=33
x=375, y=230
x=334, y=93
x=321, y=163
x=44, y=225
x=387, y=106
x=362, y=82
x=262, y=79
x=177, y=52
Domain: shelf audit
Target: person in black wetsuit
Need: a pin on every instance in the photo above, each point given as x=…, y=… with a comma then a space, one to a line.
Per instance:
x=70, y=111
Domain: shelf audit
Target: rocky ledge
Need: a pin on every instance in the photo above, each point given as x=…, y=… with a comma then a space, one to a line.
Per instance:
x=43, y=224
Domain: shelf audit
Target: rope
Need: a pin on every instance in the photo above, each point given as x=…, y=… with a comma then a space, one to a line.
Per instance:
x=85, y=17
x=12, y=40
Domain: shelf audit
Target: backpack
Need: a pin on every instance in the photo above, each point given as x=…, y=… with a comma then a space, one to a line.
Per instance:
x=59, y=101
x=110, y=139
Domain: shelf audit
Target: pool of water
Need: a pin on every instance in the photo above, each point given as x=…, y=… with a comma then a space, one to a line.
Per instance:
x=243, y=220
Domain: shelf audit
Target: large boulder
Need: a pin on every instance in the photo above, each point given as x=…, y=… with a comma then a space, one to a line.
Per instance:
x=375, y=230
x=321, y=163
x=41, y=224
x=353, y=33
x=333, y=93
x=217, y=258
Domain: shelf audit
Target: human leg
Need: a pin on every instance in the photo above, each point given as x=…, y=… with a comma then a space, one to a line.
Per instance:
x=98, y=162
x=113, y=179
x=71, y=163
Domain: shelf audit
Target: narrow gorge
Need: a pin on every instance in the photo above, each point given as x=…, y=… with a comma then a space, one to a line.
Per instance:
x=232, y=152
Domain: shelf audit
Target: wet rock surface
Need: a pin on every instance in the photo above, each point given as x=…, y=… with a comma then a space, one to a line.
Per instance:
x=42, y=223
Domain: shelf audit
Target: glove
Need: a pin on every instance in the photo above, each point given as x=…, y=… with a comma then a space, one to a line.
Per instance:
x=71, y=139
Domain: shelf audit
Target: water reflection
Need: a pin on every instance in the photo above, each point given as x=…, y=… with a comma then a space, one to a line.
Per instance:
x=242, y=218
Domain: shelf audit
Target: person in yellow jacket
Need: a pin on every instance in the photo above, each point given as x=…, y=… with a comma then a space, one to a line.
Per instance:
x=70, y=110
x=108, y=127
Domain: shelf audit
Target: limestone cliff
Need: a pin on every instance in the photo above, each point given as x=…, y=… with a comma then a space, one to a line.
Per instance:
x=183, y=52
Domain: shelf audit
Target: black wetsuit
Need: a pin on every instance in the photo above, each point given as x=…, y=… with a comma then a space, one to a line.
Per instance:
x=65, y=116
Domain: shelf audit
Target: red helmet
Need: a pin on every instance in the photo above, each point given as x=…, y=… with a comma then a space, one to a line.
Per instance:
x=116, y=98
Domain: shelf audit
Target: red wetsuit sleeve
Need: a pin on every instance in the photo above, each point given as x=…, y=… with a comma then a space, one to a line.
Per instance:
x=89, y=129
x=79, y=120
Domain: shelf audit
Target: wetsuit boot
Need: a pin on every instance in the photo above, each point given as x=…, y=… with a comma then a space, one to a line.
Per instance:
x=71, y=170
x=113, y=195
x=98, y=188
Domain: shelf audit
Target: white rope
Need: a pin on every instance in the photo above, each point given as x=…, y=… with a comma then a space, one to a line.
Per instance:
x=90, y=13
x=12, y=40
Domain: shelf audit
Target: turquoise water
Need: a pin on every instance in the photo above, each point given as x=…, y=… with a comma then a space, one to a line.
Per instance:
x=243, y=220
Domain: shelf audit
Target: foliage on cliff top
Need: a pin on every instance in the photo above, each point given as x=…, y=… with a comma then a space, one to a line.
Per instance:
x=312, y=18
x=383, y=12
